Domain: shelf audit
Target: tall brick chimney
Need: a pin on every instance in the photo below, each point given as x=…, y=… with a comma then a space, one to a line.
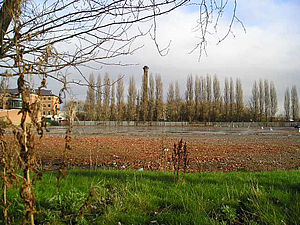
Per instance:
x=146, y=69
x=144, y=112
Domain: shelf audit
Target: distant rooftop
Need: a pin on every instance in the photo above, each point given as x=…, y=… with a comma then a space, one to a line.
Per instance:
x=44, y=92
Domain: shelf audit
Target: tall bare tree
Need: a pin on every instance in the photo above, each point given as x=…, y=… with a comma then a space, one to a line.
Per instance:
x=151, y=103
x=138, y=106
x=197, y=98
x=171, y=104
x=273, y=100
x=295, y=103
x=131, y=100
x=287, y=104
x=106, y=97
x=189, y=97
x=178, y=102
x=231, y=99
x=120, y=99
x=98, y=98
x=267, y=99
x=158, y=98
x=239, y=99
x=90, y=99
x=261, y=99
x=204, y=104
x=254, y=101
x=226, y=99
x=209, y=97
x=216, y=99
x=113, y=102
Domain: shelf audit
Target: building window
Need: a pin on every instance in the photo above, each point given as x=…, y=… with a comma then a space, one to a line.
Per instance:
x=44, y=98
x=48, y=112
x=44, y=105
x=16, y=104
x=44, y=113
x=49, y=105
x=49, y=98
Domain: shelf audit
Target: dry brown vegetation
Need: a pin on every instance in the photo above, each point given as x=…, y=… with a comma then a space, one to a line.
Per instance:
x=207, y=152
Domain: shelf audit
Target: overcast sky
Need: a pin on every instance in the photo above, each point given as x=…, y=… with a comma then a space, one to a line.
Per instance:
x=270, y=48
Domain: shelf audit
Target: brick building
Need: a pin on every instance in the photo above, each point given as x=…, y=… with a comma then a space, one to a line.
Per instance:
x=50, y=103
x=12, y=102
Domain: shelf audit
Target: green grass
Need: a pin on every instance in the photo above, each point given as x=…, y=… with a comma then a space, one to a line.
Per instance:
x=132, y=197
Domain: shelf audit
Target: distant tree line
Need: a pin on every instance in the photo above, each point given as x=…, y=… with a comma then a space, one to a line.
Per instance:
x=203, y=101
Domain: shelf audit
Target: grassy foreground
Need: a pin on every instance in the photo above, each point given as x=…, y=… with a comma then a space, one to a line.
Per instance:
x=132, y=197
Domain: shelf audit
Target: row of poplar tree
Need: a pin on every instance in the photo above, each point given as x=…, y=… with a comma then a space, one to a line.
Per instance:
x=202, y=101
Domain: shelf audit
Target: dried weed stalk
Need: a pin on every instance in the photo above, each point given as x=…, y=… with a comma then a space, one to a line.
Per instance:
x=179, y=158
x=25, y=135
x=9, y=165
x=61, y=171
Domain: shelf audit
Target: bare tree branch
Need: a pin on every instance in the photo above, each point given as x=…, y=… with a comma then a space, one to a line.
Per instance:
x=56, y=35
x=210, y=14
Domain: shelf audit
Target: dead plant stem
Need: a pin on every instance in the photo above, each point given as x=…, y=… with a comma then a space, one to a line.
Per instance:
x=4, y=197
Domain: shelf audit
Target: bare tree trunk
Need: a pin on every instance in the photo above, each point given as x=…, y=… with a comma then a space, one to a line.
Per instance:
x=7, y=11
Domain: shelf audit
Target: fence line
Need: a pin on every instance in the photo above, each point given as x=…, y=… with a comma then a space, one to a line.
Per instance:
x=250, y=124
x=170, y=124
x=128, y=123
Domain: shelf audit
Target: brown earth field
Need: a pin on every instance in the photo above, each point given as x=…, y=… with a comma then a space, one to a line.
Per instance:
x=209, y=149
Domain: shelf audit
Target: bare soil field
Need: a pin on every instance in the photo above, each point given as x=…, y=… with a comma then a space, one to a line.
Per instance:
x=150, y=148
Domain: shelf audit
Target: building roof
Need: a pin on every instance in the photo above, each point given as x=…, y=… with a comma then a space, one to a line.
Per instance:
x=12, y=91
x=44, y=92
